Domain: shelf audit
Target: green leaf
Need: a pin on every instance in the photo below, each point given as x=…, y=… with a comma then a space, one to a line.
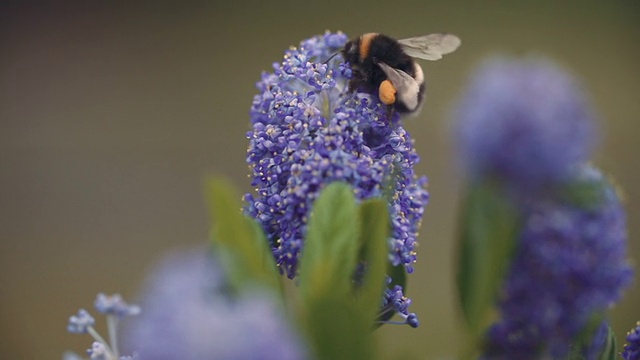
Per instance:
x=585, y=339
x=245, y=252
x=330, y=250
x=338, y=325
x=610, y=351
x=489, y=229
x=338, y=328
x=374, y=234
x=398, y=276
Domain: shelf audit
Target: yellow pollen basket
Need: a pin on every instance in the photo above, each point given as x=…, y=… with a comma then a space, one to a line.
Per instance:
x=387, y=93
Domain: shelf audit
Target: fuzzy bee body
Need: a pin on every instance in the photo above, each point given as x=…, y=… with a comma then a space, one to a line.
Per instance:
x=385, y=66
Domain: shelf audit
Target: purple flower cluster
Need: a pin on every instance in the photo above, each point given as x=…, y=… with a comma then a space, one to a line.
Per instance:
x=524, y=121
x=632, y=347
x=394, y=301
x=570, y=264
x=189, y=314
x=309, y=131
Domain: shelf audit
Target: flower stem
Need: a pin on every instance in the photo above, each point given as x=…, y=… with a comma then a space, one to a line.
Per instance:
x=113, y=339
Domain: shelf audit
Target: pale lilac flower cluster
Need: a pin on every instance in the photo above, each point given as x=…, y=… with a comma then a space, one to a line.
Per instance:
x=309, y=131
x=115, y=308
x=115, y=305
x=80, y=323
x=190, y=314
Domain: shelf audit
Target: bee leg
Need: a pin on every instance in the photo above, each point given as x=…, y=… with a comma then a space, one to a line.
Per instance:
x=357, y=81
x=353, y=86
x=391, y=110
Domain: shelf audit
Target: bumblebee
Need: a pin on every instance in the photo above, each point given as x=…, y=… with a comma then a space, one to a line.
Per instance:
x=385, y=66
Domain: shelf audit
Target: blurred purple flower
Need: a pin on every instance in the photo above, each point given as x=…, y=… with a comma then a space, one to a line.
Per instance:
x=309, y=131
x=189, y=315
x=81, y=322
x=115, y=305
x=98, y=351
x=632, y=347
x=525, y=121
x=570, y=264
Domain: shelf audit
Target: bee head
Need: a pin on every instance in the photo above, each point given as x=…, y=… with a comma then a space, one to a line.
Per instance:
x=351, y=52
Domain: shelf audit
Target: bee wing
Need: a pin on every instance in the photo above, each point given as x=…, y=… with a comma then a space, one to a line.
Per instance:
x=406, y=86
x=430, y=47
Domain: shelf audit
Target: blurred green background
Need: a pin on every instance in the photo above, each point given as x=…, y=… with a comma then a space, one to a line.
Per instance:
x=112, y=113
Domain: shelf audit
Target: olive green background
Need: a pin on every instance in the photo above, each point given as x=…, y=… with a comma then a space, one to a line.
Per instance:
x=112, y=114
